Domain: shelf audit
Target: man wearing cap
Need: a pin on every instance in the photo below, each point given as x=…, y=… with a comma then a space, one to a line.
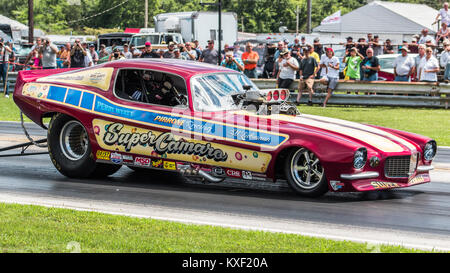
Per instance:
x=288, y=69
x=116, y=55
x=102, y=52
x=250, y=59
x=126, y=52
x=169, y=53
x=210, y=54
x=388, y=47
x=237, y=53
x=349, y=44
x=94, y=54
x=308, y=71
x=77, y=55
x=403, y=66
x=318, y=47
x=231, y=62
x=148, y=52
x=330, y=64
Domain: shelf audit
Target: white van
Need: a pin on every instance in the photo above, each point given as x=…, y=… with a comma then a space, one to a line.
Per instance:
x=159, y=40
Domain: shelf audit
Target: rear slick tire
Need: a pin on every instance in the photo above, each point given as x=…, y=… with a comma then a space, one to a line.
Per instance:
x=305, y=174
x=70, y=149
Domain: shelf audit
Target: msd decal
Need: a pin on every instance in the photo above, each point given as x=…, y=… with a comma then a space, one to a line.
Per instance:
x=234, y=173
x=103, y=155
x=142, y=161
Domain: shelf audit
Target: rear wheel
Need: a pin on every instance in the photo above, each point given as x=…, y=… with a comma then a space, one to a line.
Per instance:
x=70, y=149
x=305, y=174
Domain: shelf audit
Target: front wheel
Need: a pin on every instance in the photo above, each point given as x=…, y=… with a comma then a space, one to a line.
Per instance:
x=70, y=149
x=305, y=174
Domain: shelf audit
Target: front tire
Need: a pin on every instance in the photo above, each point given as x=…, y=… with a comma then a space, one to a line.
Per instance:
x=305, y=174
x=70, y=149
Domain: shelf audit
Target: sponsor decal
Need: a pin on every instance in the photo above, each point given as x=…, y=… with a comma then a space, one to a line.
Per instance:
x=116, y=158
x=157, y=163
x=100, y=78
x=419, y=179
x=103, y=155
x=218, y=171
x=163, y=143
x=336, y=185
x=128, y=159
x=129, y=139
x=234, y=173
x=247, y=175
x=170, y=165
x=384, y=185
x=142, y=161
x=169, y=120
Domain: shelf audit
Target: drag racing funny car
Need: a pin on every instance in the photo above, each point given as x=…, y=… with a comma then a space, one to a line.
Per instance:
x=211, y=123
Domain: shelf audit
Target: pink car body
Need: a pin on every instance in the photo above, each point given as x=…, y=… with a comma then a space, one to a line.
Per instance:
x=232, y=143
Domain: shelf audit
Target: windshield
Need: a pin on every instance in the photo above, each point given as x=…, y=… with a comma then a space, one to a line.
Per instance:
x=213, y=92
x=140, y=40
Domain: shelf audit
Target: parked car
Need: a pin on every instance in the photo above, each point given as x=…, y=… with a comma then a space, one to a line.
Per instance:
x=210, y=122
x=386, y=72
x=159, y=40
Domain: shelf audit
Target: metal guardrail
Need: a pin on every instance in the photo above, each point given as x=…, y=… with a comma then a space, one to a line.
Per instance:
x=434, y=95
x=381, y=93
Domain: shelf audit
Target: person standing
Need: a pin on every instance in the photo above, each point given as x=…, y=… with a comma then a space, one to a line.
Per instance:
x=210, y=55
x=77, y=55
x=5, y=52
x=354, y=64
x=102, y=53
x=388, y=47
x=288, y=69
x=308, y=71
x=403, y=66
x=88, y=57
x=250, y=59
x=232, y=62
x=169, y=53
x=48, y=51
x=429, y=66
x=445, y=61
x=94, y=54
x=149, y=53
x=417, y=61
x=377, y=46
x=126, y=52
x=331, y=64
x=188, y=52
x=65, y=56
x=444, y=13
x=370, y=66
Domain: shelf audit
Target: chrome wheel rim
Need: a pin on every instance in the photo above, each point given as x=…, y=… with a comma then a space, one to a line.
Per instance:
x=306, y=170
x=74, y=140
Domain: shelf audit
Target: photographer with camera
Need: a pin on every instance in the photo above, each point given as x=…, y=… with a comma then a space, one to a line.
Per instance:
x=48, y=51
x=5, y=52
x=116, y=55
x=77, y=55
x=188, y=52
x=232, y=62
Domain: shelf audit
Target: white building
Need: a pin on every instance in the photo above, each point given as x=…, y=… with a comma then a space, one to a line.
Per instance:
x=396, y=21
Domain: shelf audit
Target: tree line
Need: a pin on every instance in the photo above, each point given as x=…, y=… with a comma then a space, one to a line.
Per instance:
x=79, y=16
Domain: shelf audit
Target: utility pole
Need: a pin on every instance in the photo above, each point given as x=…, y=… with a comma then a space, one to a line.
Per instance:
x=296, y=29
x=308, y=24
x=146, y=14
x=219, y=50
x=30, y=22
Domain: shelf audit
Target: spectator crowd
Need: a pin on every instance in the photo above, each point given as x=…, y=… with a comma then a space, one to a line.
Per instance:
x=284, y=61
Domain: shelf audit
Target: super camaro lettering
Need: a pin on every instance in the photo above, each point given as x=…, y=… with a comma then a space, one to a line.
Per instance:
x=163, y=143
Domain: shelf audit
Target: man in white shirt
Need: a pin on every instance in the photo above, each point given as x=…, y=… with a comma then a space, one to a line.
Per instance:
x=429, y=66
x=444, y=14
x=88, y=57
x=288, y=69
x=445, y=61
x=330, y=64
x=425, y=37
x=126, y=53
x=403, y=66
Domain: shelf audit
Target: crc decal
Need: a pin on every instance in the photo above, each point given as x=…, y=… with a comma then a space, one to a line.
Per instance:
x=384, y=185
x=170, y=165
x=103, y=155
x=234, y=173
x=162, y=143
x=142, y=161
x=146, y=142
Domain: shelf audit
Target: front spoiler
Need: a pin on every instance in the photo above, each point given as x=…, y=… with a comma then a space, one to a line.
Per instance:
x=379, y=184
